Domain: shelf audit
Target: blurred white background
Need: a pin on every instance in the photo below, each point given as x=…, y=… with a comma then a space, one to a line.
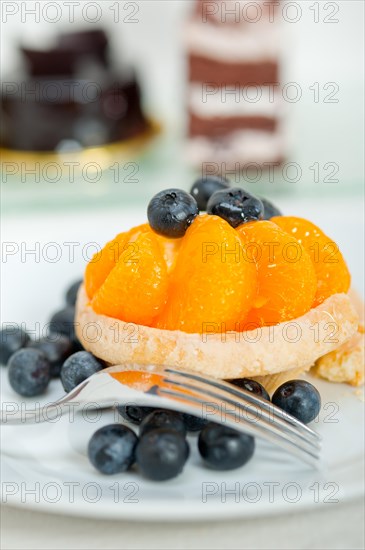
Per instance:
x=322, y=47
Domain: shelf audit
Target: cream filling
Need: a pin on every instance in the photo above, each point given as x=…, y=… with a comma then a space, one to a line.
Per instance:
x=242, y=147
x=231, y=44
x=236, y=10
x=207, y=101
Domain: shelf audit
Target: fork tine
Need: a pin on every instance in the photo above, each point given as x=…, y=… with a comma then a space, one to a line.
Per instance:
x=240, y=400
x=266, y=424
x=279, y=415
x=311, y=457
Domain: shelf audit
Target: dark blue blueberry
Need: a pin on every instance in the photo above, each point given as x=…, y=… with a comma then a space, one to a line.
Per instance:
x=298, y=398
x=57, y=348
x=250, y=385
x=111, y=449
x=76, y=345
x=71, y=293
x=223, y=448
x=236, y=206
x=62, y=322
x=161, y=454
x=134, y=413
x=161, y=418
x=203, y=189
x=77, y=368
x=170, y=212
x=193, y=423
x=270, y=210
x=29, y=372
x=12, y=338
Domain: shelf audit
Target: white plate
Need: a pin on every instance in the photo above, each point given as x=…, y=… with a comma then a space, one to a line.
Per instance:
x=45, y=466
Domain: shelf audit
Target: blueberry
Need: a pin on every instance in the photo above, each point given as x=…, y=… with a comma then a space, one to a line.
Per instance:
x=203, y=189
x=236, y=206
x=223, y=448
x=62, y=322
x=111, y=449
x=298, y=398
x=76, y=345
x=270, y=210
x=71, y=293
x=29, y=372
x=11, y=340
x=170, y=212
x=134, y=413
x=193, y=423
x=250, y=385
x=161, y=418
x=57, y=348
x=161, y=454
x=77, y=368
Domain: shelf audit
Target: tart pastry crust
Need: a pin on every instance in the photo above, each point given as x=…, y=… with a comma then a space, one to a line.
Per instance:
x=346, y=363
x=290, y=346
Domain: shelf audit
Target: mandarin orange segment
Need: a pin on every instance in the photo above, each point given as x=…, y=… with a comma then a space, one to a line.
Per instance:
x=332, y=272
x=136, y=288
x=106, y=259
x=102, y=263
x=286, y=278
x=169, y=248
x=211, y=287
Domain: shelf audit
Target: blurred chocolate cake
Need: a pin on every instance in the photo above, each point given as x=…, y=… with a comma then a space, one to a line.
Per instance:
x=234, y=98
x=71, y=97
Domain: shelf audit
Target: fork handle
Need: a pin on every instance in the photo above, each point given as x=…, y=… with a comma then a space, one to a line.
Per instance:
x=18, y=413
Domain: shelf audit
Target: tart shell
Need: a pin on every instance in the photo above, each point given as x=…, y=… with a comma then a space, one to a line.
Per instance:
x=292, y=346
x=347, y=362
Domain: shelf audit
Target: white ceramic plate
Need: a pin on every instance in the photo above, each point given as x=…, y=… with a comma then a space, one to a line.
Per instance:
x=45, y=466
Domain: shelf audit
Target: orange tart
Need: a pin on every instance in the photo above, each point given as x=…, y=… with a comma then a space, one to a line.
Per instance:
x=231, y=292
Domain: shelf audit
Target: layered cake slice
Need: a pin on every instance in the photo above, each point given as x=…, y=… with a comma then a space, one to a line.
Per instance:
x=234, y=106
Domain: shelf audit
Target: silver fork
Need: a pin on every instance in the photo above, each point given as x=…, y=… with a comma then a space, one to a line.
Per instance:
x=181, y=390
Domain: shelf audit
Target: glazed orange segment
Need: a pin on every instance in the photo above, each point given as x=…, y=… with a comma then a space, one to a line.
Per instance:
x=332, y=272
x=169, y=248
x=102, y=263
x=211, y=287
x=106, y=259
x=136, y=288
x=286, y=278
